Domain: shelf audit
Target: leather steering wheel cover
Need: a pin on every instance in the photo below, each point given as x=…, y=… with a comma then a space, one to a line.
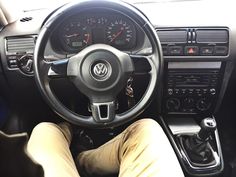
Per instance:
x=156, y=61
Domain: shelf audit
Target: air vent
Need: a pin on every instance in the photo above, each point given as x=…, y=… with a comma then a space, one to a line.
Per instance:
x=172, y=36
x=212, y=36
x=26, y=19
x=20, y=44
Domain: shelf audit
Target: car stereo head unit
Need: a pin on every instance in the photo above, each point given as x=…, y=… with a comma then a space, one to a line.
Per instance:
x=191, y=87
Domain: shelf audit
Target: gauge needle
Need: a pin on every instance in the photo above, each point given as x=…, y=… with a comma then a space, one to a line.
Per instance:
x=88, y=38
x=116, y=35
x=72, y=35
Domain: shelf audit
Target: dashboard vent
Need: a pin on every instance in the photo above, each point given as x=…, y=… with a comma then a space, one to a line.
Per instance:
x=20, y=44
x=26, y=19
x=212, y=36
x=175, y=36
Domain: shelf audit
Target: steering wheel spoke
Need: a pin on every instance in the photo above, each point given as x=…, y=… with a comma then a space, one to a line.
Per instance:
x=58, y=69
x=103, y=112
x=141, y=64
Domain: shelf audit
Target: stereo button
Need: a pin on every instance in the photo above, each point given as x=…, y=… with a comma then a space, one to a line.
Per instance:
x=183, y=91
x=204, y=91
x=176, y=92
x=212, y=91
x=170, y=91
x=190, y=91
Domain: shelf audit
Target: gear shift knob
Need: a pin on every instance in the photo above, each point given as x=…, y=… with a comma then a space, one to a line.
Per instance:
x=208, y=126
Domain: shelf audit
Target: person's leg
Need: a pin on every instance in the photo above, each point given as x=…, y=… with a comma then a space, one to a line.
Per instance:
x=49, y=146
x=141, y=150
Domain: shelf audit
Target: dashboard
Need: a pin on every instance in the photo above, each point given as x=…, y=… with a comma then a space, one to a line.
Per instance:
x=192, y=44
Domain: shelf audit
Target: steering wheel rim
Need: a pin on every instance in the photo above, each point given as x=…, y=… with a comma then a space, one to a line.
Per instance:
x=155, y=61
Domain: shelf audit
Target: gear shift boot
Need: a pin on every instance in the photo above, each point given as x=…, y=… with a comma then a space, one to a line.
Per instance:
x=199, y=147
x=199, y=152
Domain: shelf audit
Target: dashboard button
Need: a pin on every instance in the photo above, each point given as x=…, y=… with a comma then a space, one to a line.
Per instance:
x=176, y=91
x=221, y=50
x=12, y=57
x=176, y=50
x=212, y=91
x=183, y=91
x=165, y=50
x=173, y=104
x=190, y=91
x=207, y=50
x=191, y=50
x=12, y=63
x=170, y=91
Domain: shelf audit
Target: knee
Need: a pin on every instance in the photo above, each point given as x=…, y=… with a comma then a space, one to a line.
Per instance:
x=146, y=125
x=44, y=126
x=143, y=129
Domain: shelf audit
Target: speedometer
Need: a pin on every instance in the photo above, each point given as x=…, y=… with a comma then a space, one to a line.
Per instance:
x=120, y=33
x=75, y=36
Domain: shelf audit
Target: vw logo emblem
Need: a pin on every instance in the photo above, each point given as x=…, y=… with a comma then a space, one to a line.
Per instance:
x=100, y=70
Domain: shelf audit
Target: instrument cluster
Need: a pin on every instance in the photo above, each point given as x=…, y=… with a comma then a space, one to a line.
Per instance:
x=78, y=32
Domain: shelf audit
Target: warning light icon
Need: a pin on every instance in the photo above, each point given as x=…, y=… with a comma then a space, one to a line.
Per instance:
x=191, y=50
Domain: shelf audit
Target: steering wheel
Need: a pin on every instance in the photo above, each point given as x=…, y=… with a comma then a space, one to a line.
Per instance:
x=99, y=71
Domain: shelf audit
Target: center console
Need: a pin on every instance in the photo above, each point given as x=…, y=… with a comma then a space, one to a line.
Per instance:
x=194, y=73
x=192, y=87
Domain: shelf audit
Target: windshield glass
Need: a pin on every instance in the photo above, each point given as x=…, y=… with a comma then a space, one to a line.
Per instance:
x=27, y=5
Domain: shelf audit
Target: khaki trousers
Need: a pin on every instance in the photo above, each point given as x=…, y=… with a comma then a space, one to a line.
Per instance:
x=142, y=150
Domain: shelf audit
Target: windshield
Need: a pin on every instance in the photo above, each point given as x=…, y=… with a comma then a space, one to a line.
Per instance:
x=27, y=5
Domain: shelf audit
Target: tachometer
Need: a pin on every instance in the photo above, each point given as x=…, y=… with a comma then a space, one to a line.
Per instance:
x=75, y=36
x=121, y=34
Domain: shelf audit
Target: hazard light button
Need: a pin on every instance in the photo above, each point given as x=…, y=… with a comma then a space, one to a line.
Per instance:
x=191, y=50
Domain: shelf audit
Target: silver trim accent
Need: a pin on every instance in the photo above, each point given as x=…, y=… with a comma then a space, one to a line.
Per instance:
x=200, y=168
x=188, y=126
x=52, y=73
x=97, y=106
x=194, y=65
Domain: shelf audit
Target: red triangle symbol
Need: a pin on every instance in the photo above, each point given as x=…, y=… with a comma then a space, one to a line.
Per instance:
x=191, y=51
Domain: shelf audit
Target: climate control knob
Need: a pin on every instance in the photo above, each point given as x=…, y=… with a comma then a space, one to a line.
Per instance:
x=173, y=104
x=188, y=103
x=203, y=104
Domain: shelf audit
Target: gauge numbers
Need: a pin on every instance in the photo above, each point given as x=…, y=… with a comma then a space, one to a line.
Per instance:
x=120, y=33
x=80, y=32
x=76, y=36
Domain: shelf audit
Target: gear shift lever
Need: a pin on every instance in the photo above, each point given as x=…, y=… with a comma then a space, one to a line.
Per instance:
x=198, y=146
x=208, y=126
